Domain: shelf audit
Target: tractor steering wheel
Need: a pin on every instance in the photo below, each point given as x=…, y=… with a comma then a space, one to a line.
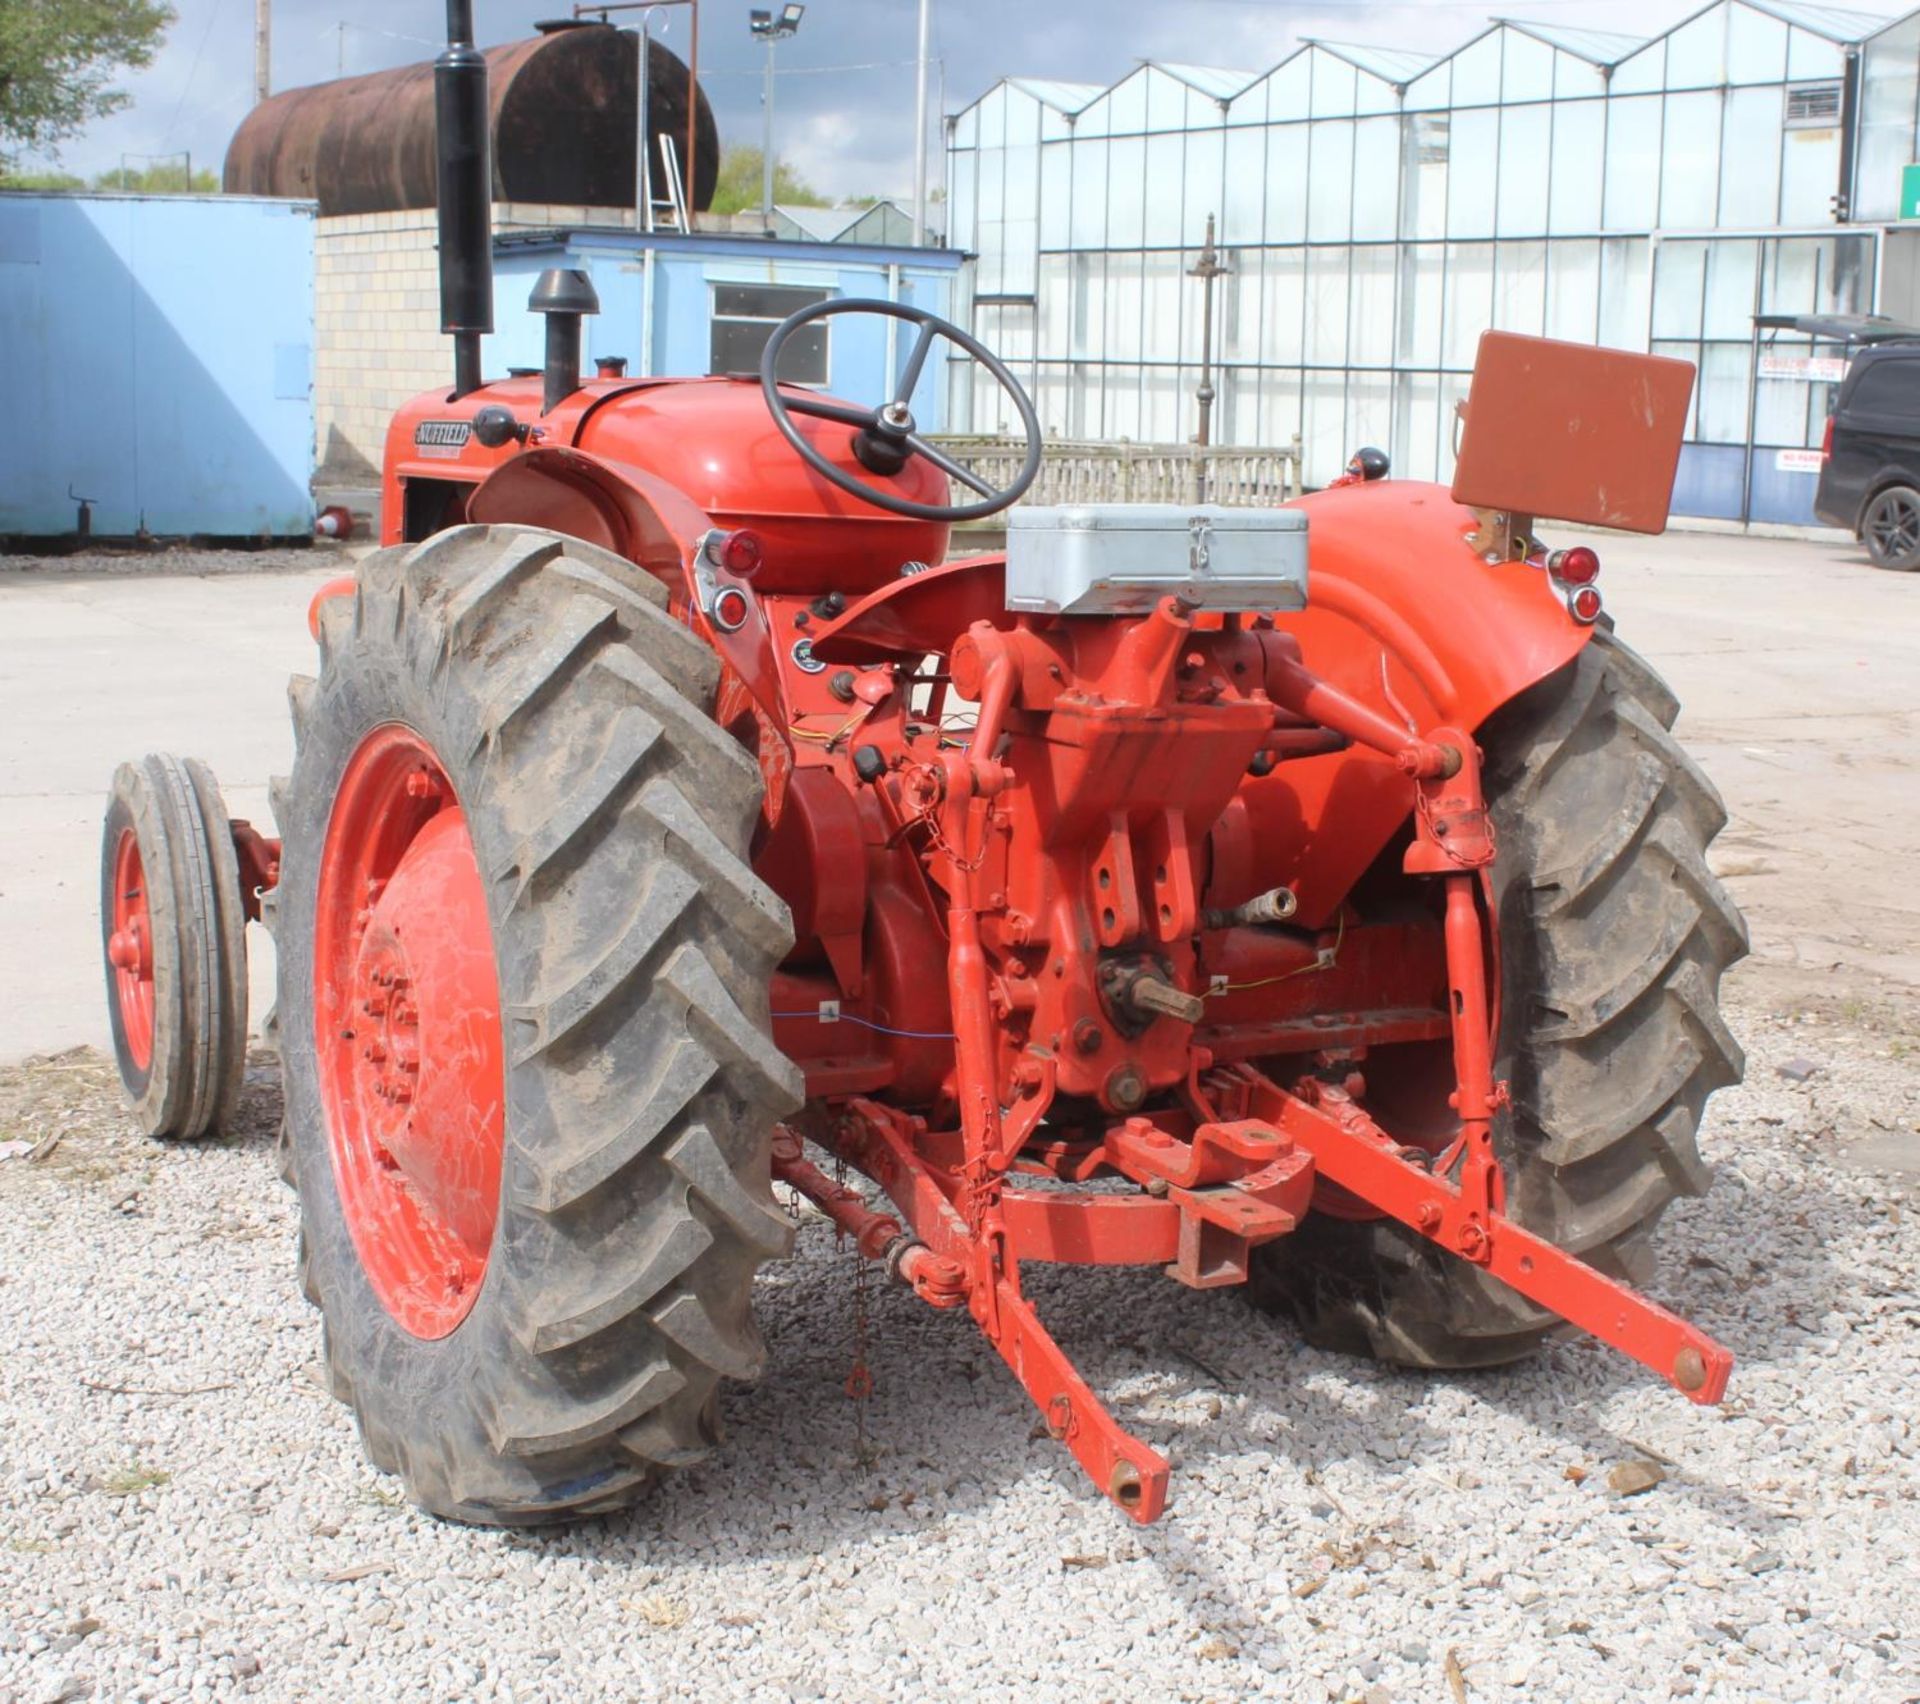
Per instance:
x=886, y=438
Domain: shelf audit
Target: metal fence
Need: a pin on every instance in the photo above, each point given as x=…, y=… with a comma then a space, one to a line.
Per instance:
x=1075, y=471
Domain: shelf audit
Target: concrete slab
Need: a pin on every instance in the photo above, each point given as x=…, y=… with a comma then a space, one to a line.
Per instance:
x=1798, y=665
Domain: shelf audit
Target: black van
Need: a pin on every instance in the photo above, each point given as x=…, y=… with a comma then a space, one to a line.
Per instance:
x=1870, y=459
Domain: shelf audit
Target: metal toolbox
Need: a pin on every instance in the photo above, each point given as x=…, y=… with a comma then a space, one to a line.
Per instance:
x=1122, y=558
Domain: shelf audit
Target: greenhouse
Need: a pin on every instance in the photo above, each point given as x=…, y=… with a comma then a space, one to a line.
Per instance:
x=1375, y=210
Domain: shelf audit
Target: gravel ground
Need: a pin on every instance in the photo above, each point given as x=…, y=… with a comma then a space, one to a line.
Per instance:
x=184, y=559
x=184, y=1515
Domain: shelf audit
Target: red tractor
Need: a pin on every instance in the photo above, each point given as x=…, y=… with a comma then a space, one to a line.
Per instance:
x=1310, y=899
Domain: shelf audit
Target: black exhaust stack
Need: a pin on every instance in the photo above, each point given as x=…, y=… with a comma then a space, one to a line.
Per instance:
x=465, y=195
x=564, y=295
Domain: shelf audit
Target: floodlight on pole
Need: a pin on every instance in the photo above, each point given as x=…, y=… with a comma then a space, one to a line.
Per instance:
x=770, y=29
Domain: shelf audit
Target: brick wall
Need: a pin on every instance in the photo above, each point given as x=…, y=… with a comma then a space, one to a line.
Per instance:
x=377, y=324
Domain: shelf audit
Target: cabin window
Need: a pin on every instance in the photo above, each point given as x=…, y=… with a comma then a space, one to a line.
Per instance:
x=744, y=316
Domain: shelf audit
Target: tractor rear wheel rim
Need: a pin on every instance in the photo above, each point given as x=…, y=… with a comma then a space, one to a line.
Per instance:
x=130, y=949
x=407, y=1032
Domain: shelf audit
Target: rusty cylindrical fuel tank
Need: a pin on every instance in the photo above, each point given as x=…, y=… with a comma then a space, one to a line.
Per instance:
x=563, y=118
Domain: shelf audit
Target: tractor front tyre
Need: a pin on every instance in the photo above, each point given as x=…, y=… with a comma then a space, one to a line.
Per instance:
x=173, y=933
x=523, y=1022
x=1613, y=937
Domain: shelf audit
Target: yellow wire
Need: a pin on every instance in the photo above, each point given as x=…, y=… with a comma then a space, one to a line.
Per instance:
x=1332, y=958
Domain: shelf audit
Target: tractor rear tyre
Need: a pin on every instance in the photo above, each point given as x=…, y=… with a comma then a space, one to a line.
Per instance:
x=523, y=1021
x=173, y=932
x=1613, y=937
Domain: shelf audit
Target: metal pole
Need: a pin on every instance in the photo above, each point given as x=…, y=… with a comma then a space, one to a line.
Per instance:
x=642, y=139
x=1207, y=268
x=920, y=129
x=766, y=162
x=690, y=166
x=262, y=50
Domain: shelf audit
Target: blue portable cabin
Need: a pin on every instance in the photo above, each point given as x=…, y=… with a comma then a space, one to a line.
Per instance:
x=674, y=303
x=159, y=365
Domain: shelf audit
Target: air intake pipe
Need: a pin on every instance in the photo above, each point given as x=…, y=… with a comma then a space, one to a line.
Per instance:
x=564, y=295
x=465, y=195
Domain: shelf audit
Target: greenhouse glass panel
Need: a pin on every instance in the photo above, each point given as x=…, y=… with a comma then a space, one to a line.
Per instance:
x=1750, y=158
x=1023, y=119
x=1023, y=182
x=1287, y=183
x=1201, y=195
x=1697, y=51
x=1166, y=407
x=1476, y=71
x=1633, y=164
x=1679, y=288
x=1237, y=305
x=1520, y=287
x=1421, y=304
x=1810, y=163
x=1625, y=288
x=1163, y=296
x=1573, y=291
x=1165, y=181
x=1526, y=158
x=1722, y=384
x=1290, y=87
x=1689, y=162
x=1020, y=237
x=1053, y=294
x=1333, y=79
x=1642, y=73
x=1431, y=90
x=1473, y=172
x=1890, y=90
x=1279, y=408
x=1330, y=182
x=1423, y=176
x=1370, y=329
x=1243, y=217
x=1414, y=447
x=1087, y=224
x=1126, y=191
x=1756, y=47
x=1812, y=58
x=1056, y=195
x=1732, y=291
x=1579, y=163
x=1526, y=68
x=1283, y=306
x=1089, y=305
x=1469, y=302
x=1376, y=179
x=1166, y=101
x=961, y=170
x=1323, y=426
x=1127, y=105
x=1369, y=411
x=1120, y=403
x=1125, y=309
x=1575, y=78
x=1325, y=332
x=993, y=117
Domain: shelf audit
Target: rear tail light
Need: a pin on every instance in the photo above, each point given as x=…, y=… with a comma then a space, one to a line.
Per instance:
x=1826, y=441
x=1576, y=567
x=742, y=553
x=1583, y=604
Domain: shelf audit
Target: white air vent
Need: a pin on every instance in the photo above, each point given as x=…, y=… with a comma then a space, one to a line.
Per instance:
x=1813, y=106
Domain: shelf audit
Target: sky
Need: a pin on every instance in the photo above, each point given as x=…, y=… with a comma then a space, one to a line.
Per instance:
x=843, y=105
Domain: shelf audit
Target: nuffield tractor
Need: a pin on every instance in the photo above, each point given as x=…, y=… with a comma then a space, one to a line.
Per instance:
x=1311, y=900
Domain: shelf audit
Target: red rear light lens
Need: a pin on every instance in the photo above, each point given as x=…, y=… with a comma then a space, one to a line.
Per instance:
x=1576, y=567
x=1583, y=604
x=742, y=554
x=1826, y=441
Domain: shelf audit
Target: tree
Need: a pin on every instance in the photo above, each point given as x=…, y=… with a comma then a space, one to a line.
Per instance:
x=158, y=180
x=57, y=59
x=738, y=188
x=41, y=180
